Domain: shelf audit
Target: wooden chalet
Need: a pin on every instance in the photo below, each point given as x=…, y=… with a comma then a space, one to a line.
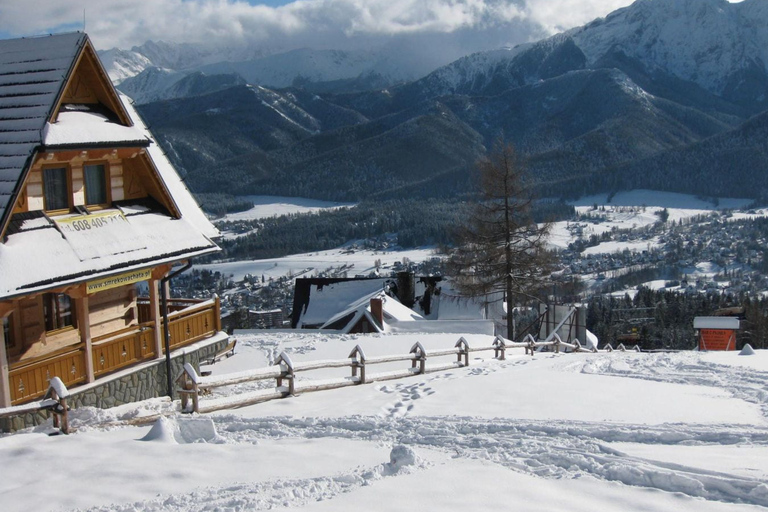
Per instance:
x=91, y=212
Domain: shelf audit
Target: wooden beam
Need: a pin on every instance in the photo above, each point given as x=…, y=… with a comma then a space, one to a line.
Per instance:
x=154, y=313
x=5, y=384
x=84, y=325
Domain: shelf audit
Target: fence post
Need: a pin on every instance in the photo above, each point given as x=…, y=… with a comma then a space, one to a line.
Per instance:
x=421, y=356
x=499, y=348
x=288, y=373
x=358, y=357
x=463, y=347
x=531, y=345
x=59, y=393
x=557, y=343
x=188, y=382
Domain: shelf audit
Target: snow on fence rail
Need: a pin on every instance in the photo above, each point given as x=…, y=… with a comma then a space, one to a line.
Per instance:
x=55, y=400
x=284, y=372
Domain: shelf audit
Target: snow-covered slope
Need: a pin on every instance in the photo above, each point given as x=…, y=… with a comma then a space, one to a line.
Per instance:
x=619, y=431
x=122, y=64
x=720, y=46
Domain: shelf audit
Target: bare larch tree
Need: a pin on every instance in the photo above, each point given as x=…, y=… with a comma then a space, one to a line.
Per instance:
x=500, y=249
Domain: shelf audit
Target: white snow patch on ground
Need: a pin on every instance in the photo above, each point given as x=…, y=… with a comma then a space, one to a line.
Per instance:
x=610, y=431
x=357, y=262
x=274, y=206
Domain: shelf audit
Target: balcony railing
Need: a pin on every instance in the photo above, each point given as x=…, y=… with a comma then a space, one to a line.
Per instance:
x=123, y=348
x=114, y=351
x=29, y=379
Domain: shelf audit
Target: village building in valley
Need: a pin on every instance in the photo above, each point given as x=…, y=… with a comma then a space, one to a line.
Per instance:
x=93, y=222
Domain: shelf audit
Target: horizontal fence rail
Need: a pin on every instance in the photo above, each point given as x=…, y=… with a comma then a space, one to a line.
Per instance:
x=191, y=385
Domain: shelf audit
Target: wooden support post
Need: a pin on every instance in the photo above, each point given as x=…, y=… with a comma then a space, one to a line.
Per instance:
x=84, y=325
x=358, y=357
x=288, y=373
x=154, y=314
x=195, y=397
x=500, y=348
x=64, y=416
x=421, y=357
x=463, y=347
x=5, y=381
x=217, y=312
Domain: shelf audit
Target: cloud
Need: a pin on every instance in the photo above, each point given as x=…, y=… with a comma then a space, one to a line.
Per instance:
x=124, y=23
x=559, y=15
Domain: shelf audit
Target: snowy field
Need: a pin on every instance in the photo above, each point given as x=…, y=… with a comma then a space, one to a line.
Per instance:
x=568, y=432
x=636, y=209
x=306, y=265
x=274, y=206
x=633, y=209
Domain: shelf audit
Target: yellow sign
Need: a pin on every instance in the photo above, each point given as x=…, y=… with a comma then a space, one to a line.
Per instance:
x=120, y=280
x=90, y=222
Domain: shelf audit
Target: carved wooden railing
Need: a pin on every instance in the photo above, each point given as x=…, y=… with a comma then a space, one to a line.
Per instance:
x=194, y=323
x=123, y=348
x=145, y=307
x=30, y=379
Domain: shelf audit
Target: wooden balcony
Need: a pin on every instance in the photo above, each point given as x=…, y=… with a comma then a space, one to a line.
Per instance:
x=189, y=322
x=123, y=348
x=29, y=379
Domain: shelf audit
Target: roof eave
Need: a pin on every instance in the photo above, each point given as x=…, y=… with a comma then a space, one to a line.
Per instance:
x=143, y=143
x=112, y=271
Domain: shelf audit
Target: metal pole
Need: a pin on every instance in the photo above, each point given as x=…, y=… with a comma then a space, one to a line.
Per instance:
x=166, y=331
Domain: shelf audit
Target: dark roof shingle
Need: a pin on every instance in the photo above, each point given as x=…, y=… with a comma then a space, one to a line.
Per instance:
x=33, y=72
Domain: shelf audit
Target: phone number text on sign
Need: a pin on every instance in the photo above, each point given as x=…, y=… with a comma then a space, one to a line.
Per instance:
x=89, y=222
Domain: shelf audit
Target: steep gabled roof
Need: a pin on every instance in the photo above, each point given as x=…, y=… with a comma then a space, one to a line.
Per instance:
x=33, y=74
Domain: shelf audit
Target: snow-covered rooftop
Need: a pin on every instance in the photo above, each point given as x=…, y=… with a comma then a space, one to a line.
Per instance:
x=119, y=239
x=77, y=128
x=328, y=301
x=186, y=204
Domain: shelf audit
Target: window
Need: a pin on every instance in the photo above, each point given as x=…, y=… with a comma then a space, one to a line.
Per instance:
x=58, y=311
x=95, y=184
x=8, y=334
x=56, y=189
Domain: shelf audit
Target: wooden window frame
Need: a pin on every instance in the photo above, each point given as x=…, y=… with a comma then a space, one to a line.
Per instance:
x=57, y=327
x=107, y=186
x=70, y=201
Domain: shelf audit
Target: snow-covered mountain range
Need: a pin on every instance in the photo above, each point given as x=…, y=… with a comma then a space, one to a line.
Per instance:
x=648, y=83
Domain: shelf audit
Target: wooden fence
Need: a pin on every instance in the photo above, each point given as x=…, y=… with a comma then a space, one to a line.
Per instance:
x=55, y=400
x=192, y=385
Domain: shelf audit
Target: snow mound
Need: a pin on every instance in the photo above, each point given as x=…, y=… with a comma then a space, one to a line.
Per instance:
x=401, y=459
x=183, y=431
x=747, y=350
x=162, y=431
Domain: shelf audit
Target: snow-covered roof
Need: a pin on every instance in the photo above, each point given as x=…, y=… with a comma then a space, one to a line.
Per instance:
x=84, y=128
x=331, y=303
x=326, y=302
x=181, y=195
x=33, y=72
x=120, y=239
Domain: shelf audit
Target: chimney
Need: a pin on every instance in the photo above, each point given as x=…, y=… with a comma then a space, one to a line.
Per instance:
x=377, y=311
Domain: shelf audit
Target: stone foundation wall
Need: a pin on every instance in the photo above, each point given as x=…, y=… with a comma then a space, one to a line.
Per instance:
x=147, y=381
